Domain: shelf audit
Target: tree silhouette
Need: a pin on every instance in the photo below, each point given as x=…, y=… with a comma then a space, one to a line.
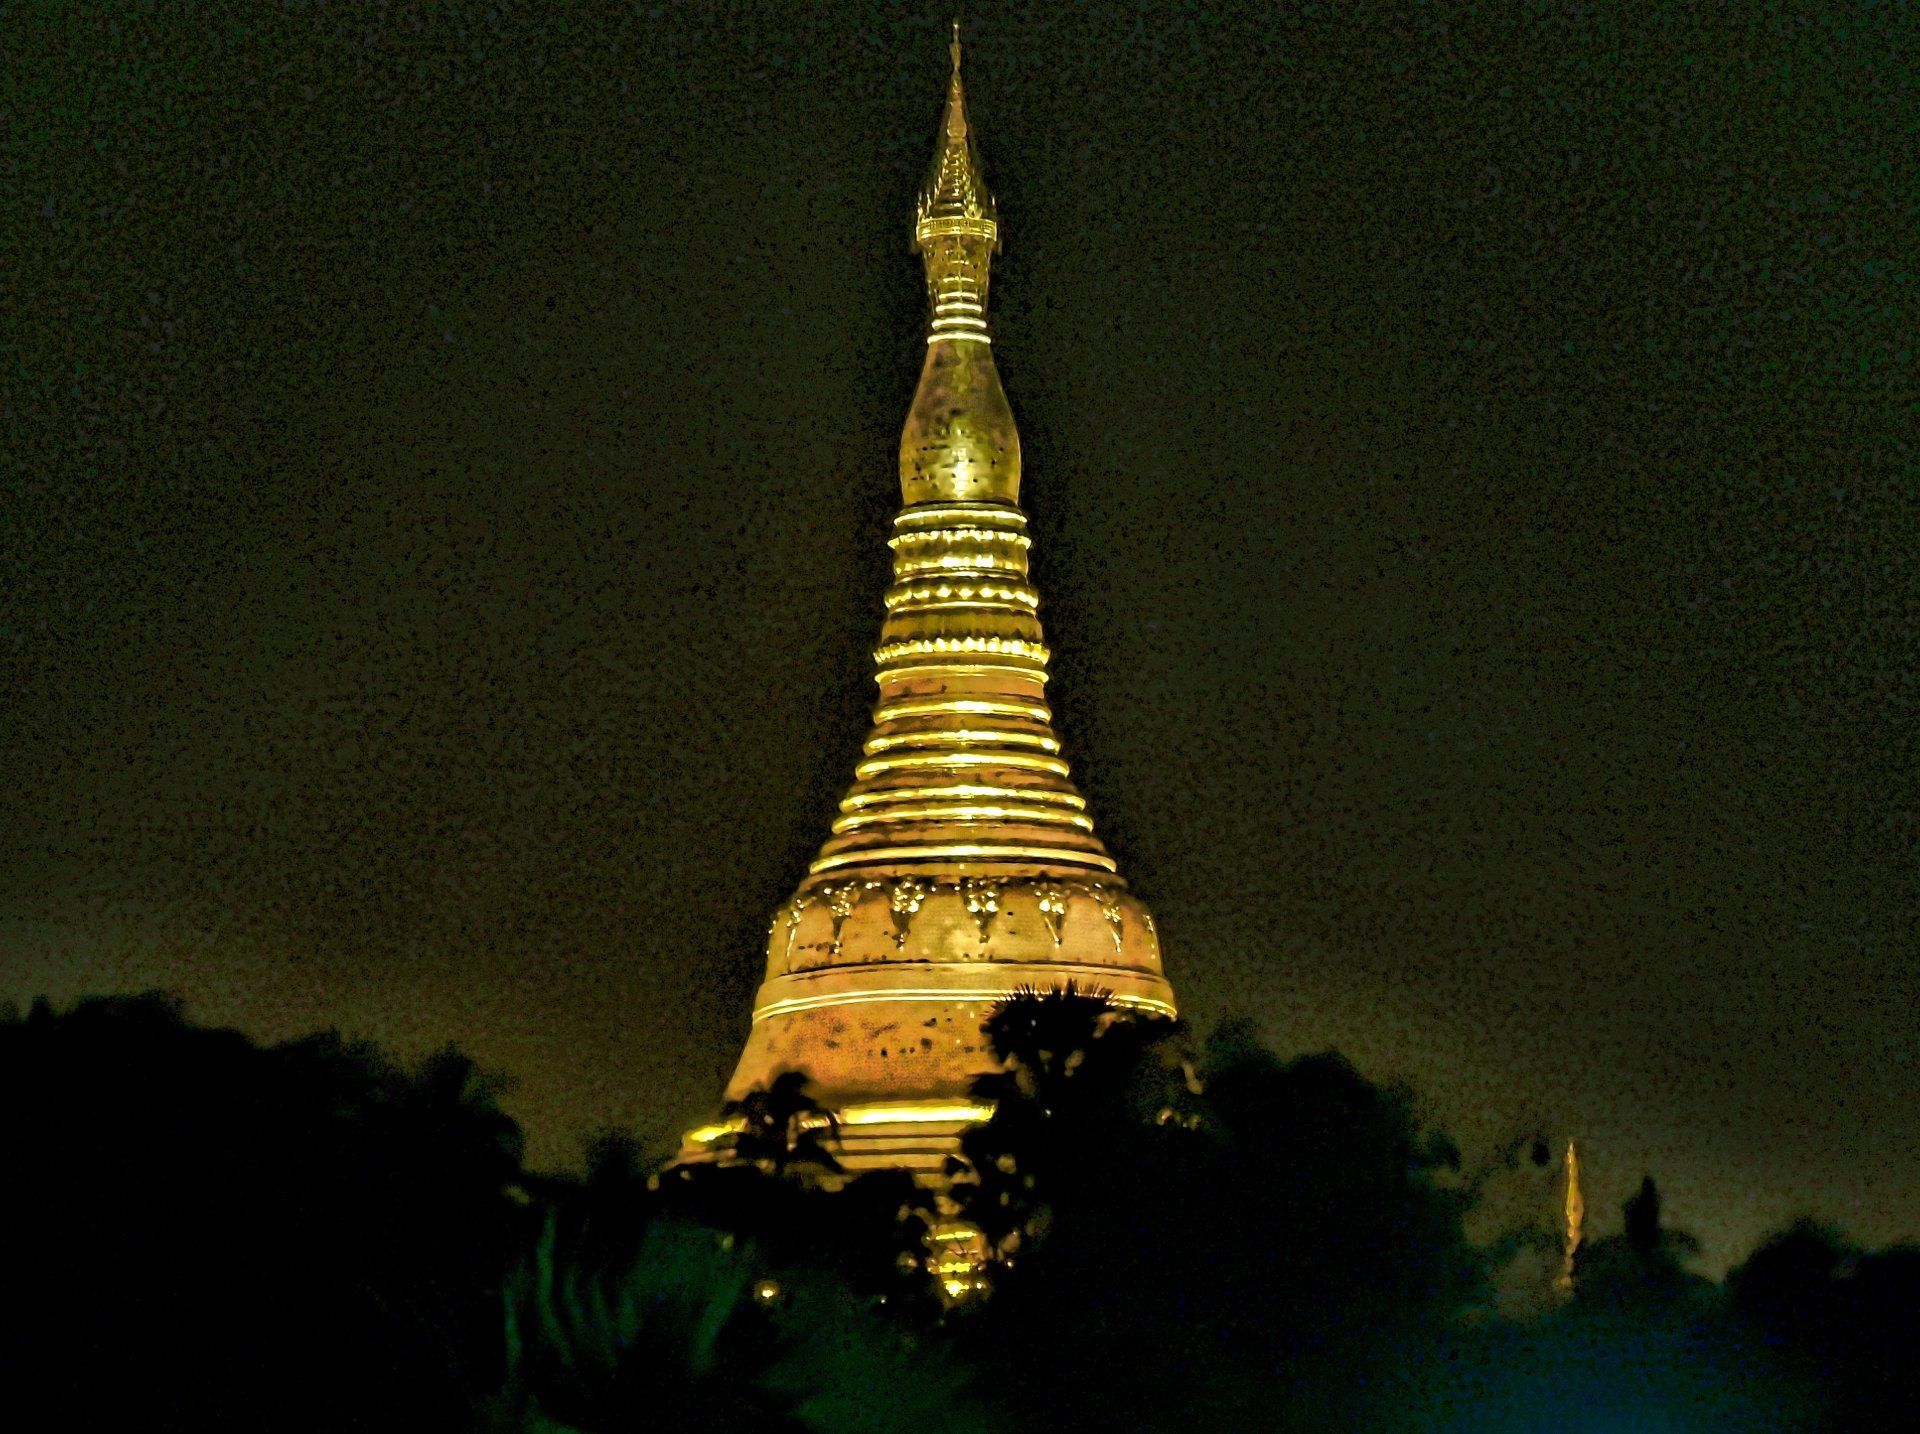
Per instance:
x=1237, y=1242
x=716, y=1299
x=1043, y=1037
x=1643, y=1343
x=307, y=1237
x=213, y=1236
x=1642, y=1273
x=783, y=1128
x=1074, y=1076
x=1840, y=1319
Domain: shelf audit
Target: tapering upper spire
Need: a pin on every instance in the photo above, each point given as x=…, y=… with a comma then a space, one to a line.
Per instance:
x=955, y=198
x=959, y=444
x=962, y=775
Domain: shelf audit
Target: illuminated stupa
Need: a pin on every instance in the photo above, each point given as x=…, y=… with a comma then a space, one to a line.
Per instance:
x=963, y=864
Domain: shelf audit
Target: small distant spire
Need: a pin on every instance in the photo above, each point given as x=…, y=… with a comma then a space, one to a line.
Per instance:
x=954, y=48
x=1576, y=1210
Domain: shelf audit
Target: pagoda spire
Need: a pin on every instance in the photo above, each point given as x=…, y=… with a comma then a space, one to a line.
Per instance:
x=962, y=865
x=960, y=443
x=955, y=198
x=963, y=764
x=1575, y=1212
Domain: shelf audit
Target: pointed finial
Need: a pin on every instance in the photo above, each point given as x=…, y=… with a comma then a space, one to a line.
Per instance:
x=955, y=198
x=959, y=444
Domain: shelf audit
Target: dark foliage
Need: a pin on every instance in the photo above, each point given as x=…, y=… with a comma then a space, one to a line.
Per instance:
x=1250, y=1243
x=204, y=1235
x=716, y=1299
x=783, y=1128
x=1239, y=1242
x=1643, y=1344
x=207, y=1235
x=1843, y=1321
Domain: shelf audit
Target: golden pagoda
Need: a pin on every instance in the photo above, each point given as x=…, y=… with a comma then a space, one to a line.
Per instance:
x=963, y=865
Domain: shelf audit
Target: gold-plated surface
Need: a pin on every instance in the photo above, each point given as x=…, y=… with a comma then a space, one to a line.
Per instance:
x=959, y=443
x=963, y=864
x=1576, y=1211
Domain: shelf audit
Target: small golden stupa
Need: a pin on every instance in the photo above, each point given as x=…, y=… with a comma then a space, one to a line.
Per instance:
x=963, y=864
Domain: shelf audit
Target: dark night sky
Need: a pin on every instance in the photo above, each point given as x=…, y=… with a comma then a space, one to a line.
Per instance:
x=449, y=450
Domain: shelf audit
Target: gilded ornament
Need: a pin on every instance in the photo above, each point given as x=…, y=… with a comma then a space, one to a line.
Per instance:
x=841, y=898
x=982, y=896
x=795, y=909
x=1052, y=899
x=1109, y=901
x=908, y=896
